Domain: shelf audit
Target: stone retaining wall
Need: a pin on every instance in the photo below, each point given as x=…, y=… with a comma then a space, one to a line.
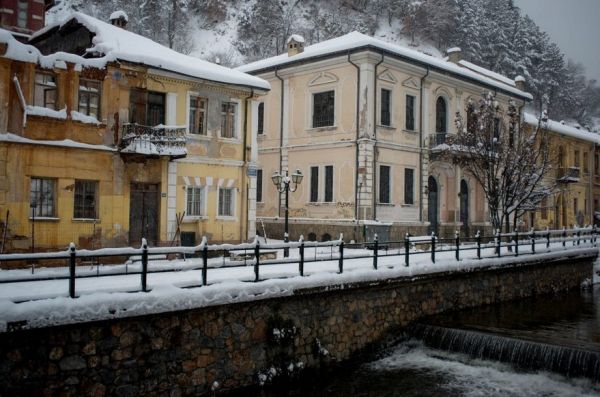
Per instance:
x=185, y=353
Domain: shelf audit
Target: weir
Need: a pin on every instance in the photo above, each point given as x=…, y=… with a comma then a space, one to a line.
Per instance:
x=523, y=354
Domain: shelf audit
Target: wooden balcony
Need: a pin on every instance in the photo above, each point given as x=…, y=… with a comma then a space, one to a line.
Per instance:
x=568, y=174
x=142, y=140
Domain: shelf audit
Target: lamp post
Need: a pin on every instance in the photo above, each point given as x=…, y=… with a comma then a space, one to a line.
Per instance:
x=282, y=183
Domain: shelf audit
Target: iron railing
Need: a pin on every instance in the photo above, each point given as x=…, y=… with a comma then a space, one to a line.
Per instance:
x=500, y=245
x=158, y=141
x=568, y=174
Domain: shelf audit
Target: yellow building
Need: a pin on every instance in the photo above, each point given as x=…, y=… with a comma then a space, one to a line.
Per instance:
x=359, y=118
x=109, y=137
x=576, y=193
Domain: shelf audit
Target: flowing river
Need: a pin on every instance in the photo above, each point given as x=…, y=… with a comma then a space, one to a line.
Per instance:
x=544, y=346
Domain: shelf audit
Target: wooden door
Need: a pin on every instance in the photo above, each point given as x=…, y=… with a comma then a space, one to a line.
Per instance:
x=143, y=213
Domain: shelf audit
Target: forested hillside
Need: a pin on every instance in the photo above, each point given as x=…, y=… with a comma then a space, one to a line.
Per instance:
x=492, y=33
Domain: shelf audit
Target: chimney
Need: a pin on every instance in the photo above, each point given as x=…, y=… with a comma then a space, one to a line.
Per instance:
x=520, y=83
x=454, y=54
x=119, y=19
x=295, y=45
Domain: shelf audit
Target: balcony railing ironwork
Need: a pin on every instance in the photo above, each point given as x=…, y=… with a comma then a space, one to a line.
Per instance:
x=568, y=174
x=160, y=140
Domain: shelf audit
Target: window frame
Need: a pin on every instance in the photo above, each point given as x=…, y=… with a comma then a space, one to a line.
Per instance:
x=201, y=200
x=438, y=119
x=380, y=186
x=411, y=172
x=390, y=107
x=203, y=111
x=22, y=10
x=313, y=95
x=83, y=215
x=45, y=91
x=39, y=211
x=328, y=188
x=260, y=119
x=232, y=203
x=259, y=185
x=313, y=191
x=233, y=119
x=89, y=94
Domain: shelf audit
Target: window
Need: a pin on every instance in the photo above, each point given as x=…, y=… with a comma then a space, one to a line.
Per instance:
x=84, y=203
x=43, y=197
x=226, y=202
x=575, y=206
x=156, y=108
x=410, y=112
x=22, y=14
x=197, y=122
x=44, y=91
x=228, y=112
x=497, y=128
x=323, y=109
x=314, y=184
x=409, y=182
x=386, y=107
x=561, y=157
x=259, y=179
x=384, y=184
x=146, y=107
x=195, y=201
x=544, y=208
x=261, y=118
x=440, y=115
x=596, y=163
x=576, y=158
x=89, y=98
x=328, y=183
x=586, y=167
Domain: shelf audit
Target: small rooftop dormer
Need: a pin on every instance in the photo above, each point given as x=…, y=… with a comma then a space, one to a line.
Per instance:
x=454, y=54
x=119, y=19
x=295, y=45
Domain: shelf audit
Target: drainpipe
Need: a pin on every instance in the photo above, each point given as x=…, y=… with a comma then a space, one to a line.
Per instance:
x=375, y=152
x=356, y=189
x=244, y=174
x=590, y=208
x=280, y=139
x=421, y=118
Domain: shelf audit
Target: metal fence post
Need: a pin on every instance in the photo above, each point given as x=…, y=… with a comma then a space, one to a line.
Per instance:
x=375, y=251
x=72, y=270
x=433, y=247
x=205, y=262
x=516, y=243
x=144, y=265
x=578, y=237
x=341, y=259
x=301, y=264
x=478, y=237
x=547, y=237
x=532, y=240
x=406, y=249
x=564, y=236
x=457, y=240
x=594, y=231
x=498, y=243
x=256, y=260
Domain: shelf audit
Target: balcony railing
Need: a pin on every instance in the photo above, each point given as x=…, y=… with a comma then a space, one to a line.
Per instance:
x=160, y=140
x=568, y=174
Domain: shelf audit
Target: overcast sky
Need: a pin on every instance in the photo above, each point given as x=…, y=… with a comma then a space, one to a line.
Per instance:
x=572, y=24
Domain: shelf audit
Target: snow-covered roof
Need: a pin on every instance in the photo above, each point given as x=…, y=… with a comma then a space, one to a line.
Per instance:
x=115, y=43
x=356, y=40
x=65, y=143
x=487, y=72
x=563, y=129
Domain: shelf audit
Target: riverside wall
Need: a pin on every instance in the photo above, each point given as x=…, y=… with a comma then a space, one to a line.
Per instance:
x=215, y=349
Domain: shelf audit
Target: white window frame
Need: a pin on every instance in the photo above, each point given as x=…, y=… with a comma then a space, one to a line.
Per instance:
x=233, y=204
x=203, y=206
x=187, y=115
x=321, y=184
x=310, y=103
x=237, y=120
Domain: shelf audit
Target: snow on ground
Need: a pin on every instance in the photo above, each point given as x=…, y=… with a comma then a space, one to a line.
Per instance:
x=46, y=302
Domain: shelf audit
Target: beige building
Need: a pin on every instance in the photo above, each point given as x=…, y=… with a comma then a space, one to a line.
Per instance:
x=358, y=117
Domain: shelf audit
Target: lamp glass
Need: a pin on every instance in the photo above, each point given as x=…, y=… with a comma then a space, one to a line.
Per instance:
x=276, y=178
x=297, y=177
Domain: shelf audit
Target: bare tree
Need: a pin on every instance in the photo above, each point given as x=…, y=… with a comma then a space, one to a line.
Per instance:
x=511, y=162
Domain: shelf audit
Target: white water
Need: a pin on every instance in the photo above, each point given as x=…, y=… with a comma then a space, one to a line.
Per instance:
x=464, y=376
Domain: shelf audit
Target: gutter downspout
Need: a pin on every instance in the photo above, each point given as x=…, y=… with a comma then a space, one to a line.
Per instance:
x=244, y=174
x=421, y=119
x=591, y=159
x=375, y=152
x=280, y=140
x=356, y=163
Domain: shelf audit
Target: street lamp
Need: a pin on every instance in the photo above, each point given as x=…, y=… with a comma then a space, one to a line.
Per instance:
x=282, y=183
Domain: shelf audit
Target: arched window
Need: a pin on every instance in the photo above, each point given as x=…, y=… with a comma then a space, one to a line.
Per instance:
x=561, y=157
x=440, y=115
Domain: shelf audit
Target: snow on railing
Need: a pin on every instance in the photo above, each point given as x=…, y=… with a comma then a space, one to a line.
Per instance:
x=502, y=244
x=160, y=140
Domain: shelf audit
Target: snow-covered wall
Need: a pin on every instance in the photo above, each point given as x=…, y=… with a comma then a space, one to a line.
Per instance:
x=193, y=352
